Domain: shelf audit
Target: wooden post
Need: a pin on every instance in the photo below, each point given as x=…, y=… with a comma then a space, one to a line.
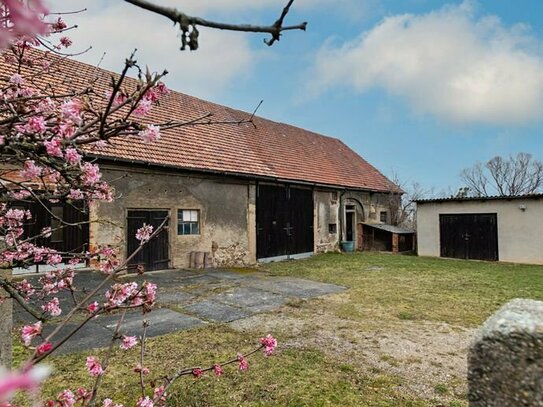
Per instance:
x=395, y=243
x=360, y=237
x=6, y=325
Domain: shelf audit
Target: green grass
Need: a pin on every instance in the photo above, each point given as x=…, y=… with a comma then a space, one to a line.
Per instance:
x=382, y=288
x=418, y=288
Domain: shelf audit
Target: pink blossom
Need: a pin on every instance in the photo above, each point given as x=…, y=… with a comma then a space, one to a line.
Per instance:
x=218, y=370
x=66, y=398
x=243, y=364
x=72, y=156
x=145, y=402
x=71, y=111
x=91, y=174
x=159, y=396
x=30, y=170
x=93, y=307
x=46, y=106
x=128, y=342
x=141, y=369
x=54, y=259
x=76, y=194
x=53, y=147
x=150, y=293
x=94, y=367
x=197, y=372
x=269, y=343
x=119, y=99
x=44, y=348
x=109, y=403
x=23, y=22
x=30, y=379
x=46, y=231
x=144, y=233
x=52, y=307
x=162, y=89
x=16, y=79
x=20, y=194
x=144, y=106
x=150, y=134
x=59, y=25
x=28, y=332
x=25, y=289
x=65, y=42
x=36, y=124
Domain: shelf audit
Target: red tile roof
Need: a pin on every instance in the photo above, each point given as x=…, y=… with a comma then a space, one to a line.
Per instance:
x=265, y=149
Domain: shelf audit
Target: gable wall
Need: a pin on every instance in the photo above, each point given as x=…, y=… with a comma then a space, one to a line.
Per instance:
x=519, y=232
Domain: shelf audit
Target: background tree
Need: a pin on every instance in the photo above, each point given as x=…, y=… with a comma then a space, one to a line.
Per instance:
x=403, y=211
x=514, y=175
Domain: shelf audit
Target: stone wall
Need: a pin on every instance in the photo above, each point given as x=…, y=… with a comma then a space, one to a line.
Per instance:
x=223, y=204
x=505, y=361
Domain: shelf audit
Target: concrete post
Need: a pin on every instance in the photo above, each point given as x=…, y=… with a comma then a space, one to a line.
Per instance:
x=505, y=360
x=6, y=325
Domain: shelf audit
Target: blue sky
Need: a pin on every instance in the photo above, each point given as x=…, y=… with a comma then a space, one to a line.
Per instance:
x=423, y=88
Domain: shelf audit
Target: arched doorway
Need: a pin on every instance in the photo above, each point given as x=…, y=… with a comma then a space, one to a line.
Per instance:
x=353, y=215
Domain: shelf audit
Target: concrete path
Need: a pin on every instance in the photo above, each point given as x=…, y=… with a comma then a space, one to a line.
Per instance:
x=188, y=299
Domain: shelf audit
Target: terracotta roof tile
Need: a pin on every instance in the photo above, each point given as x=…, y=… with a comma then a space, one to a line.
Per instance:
x=268, y=149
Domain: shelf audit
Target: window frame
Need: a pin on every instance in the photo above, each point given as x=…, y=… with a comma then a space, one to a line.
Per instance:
x=194, y=227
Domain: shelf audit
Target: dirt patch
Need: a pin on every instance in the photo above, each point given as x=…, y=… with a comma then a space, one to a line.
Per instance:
x=429, y=358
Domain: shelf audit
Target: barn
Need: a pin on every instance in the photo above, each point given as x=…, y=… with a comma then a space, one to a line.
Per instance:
x=232, y=193
x=498, y=228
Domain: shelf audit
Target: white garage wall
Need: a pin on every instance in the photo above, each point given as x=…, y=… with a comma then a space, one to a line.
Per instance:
x=520, y=232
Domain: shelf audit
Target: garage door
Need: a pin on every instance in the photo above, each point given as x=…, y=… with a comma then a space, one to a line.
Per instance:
x=284, y=219
x=469, y=236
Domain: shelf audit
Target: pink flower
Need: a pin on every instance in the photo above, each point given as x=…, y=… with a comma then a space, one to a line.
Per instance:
x=16, y=79
x=94, y=367
x=71, y=111
x=145, y=402
x=65, y=42
x=150, y=293
x=269, y=343
x=28, y=332
x=128, y=342
x=141, y=369
x=243, y=364
x=66, y=398
x=26, y=380
x=59, y=25
x=30, y=170
x=53, y=147
x=109, y=403
x=159, y=396
x=197, y=372
x=52, y=307
x=36, y=124
x=46, y=231
x=144, y=233
x=144, y=106
x=44, y=348
x=150, y=134
x=92, y=308
x=76, y=194
x=218, y=370
x=91, y=174
x=54, y=259
x=71, y=156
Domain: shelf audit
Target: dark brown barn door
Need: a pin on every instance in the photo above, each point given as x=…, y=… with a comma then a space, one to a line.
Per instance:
x=469, y=236
x=155, y=254
x=284, y=217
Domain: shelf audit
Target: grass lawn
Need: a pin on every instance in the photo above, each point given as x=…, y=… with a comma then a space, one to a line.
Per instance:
x=397, y=337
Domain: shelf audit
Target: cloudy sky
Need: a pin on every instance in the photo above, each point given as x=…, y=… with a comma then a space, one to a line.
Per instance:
x=423, y=88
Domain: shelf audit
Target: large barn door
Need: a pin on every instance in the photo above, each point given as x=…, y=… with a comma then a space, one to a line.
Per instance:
x=469, y=236
x=284, y=217
x=155, y=254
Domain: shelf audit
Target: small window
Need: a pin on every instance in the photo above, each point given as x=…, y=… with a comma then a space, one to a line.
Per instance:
x=383, y=216
x=57, y=234
x=332, y=228
x=188, y=222
x=333, y=197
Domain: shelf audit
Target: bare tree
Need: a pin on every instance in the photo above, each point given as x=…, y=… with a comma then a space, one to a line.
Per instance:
x=403, y=210
x=515, y=175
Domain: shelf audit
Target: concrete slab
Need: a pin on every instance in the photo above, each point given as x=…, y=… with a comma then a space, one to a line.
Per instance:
x=173, y=297
x=228, y=275
x=216, y=311
x=91, y=335
x=161, y=321
x=251, y=299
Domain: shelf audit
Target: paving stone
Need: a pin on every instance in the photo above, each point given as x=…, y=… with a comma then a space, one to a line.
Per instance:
x=295, y=287
x=227, y=275
x=201, y=279
x=161, y=321
x=91, y=335
x=216, y=311
x=173, y=297
x=251, y=299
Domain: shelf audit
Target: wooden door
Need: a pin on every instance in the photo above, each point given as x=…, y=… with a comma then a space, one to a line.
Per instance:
x=155, y=254
x=469, y=236
x=284, y=217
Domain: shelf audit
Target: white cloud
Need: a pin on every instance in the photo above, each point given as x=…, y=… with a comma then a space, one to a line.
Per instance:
x=447, y=63
x=118, y=28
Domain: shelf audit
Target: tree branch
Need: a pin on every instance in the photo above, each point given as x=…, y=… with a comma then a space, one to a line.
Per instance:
x=185, y=21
